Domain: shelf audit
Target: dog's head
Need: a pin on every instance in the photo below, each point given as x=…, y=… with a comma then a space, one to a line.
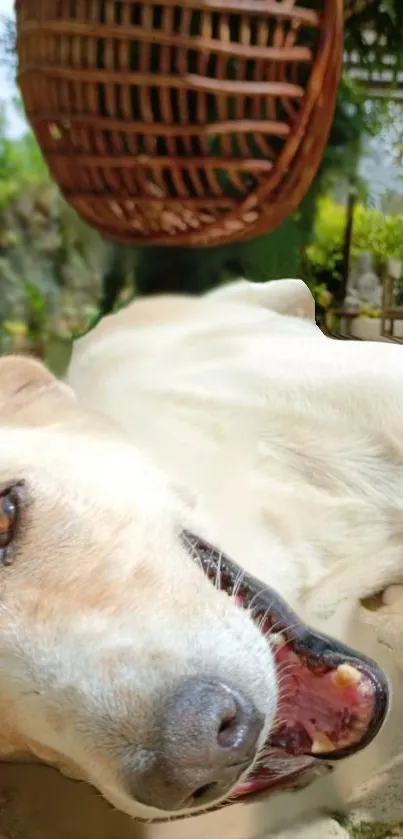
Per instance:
x=131, y=653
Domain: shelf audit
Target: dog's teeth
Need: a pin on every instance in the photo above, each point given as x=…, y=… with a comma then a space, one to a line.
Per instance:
x=278, y=640
x=346, y=675
x=322, y=744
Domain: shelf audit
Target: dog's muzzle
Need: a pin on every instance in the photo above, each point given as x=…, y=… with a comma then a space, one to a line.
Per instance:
x=333, y=700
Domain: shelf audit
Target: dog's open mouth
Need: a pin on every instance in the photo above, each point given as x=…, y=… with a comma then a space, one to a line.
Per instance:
x=332, y=700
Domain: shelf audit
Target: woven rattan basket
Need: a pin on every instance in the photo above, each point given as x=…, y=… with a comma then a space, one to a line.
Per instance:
x=196, y=122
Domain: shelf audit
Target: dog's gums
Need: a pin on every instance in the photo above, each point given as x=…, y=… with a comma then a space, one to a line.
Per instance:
x=332, y=700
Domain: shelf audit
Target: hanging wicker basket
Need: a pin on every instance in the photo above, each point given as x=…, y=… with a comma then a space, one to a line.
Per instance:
x=196, y=122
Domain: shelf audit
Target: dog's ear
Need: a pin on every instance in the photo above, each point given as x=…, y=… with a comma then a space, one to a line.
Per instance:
x=28, y=391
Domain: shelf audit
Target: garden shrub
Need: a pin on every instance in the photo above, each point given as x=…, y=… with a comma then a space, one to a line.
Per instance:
x=381, y=235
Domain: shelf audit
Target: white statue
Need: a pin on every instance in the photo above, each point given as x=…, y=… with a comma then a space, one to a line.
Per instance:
x=363, y=285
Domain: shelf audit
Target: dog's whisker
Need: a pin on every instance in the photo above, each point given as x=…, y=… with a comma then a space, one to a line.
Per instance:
x=260, y=593
x=192, y=550
x=218, y=572
x=238, y=583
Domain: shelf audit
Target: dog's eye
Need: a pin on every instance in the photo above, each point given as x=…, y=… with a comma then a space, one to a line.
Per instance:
x=9, y=505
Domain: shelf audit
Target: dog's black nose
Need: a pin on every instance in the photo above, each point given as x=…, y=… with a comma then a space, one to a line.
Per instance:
x=210, y=725
x=208, y=737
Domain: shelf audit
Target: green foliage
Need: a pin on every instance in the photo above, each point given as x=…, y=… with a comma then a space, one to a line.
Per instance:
x=326, y=249
x=356, y=120
x=374, y=232
x=384, y=18
x=49, y=266
x=38, y=311
x=21, y=161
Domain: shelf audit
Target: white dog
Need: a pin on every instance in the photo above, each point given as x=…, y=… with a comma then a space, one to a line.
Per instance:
x=231, y=421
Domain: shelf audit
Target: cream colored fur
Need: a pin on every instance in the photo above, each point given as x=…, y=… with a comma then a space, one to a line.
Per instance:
x=93, y=604
x=290, y=442
x=231, y=414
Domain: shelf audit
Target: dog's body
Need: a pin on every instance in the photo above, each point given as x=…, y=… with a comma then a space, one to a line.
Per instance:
x=292, y=441
x=280, y=446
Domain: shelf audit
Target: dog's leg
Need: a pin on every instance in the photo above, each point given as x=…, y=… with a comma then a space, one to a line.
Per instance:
x=355, y=582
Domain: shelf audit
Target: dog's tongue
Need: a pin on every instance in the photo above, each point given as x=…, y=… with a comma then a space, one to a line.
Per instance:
x=333, y=700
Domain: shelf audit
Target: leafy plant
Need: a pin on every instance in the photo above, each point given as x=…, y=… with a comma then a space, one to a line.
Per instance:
x=37, y=312
x=380, y=235
x=21, y=161
x=374, y=29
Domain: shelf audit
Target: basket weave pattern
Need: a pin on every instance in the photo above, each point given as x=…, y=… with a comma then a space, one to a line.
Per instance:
x=196, y=122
